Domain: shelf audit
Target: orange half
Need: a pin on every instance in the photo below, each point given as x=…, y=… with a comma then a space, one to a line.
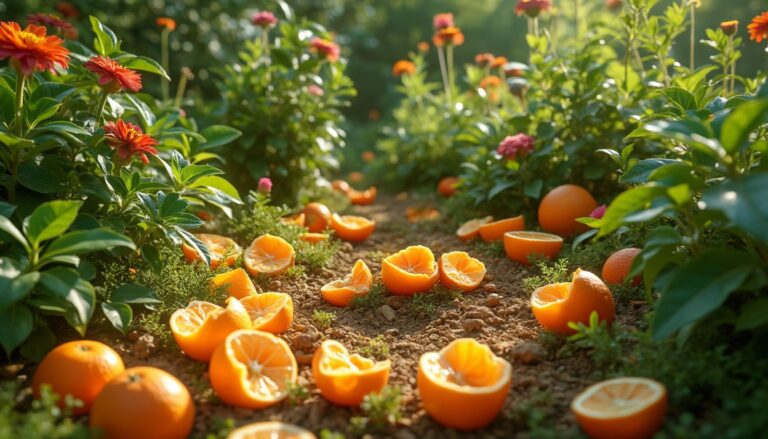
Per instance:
x=470, y=229
x=419, y=214
x=237, y=283
x=351, y=227
x=270, y=430
x=460, y=271
x=362, y=198
x=410, y=271
x=270, y=312
x=357, y=283
x=494, y=231
x=521, y=245
x=220, y=248
x=202, y=326
x=269, y=254
x=345, y=379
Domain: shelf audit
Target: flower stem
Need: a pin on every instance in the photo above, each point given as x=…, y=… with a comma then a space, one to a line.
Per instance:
x=693, y=34
x=180, y=91
x=20, y=82
x=444, y=73
x=100, y=106
x=451, y=80
x=164, y=59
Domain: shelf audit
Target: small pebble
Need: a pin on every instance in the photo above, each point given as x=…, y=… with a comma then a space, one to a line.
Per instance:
x=493, y=299
x=388, y=312
x=491, y=287
x=144, y=347
x=473, y=324
x=529, y=352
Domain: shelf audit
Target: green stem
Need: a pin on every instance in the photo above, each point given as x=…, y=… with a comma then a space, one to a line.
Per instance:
x=576, y=17
x=693, y=34
x=164, y=59
x=180, y=91
x=100, y=106
x=451, y=80
x=444, y=73
x=20, y=82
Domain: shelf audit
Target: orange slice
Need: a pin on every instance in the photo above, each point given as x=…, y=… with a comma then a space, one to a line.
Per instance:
x=410, y=271
x=460, y=271
x=202, y=326
x=345, y=379
x=555, y=305
x=270, y=312
x=357, y=283
x=252, y=369
x=219, y=246
x=237, y=282
x=495, y=230
x=313, y=238
x=270, y=430
x=362, y=198
x=296, y=219
x=521, y=245
x=464, y=385
x=418, y=214
x=351, y=227
x=269, y=254
x=626, y=407
x=470, y=229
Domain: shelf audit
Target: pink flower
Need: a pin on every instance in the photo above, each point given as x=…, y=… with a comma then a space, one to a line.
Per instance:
x=442, y=21
x=511, y=146
x=265, y=185
x=264, y=19
x=326, y=49
x=315, y=90
x=598, y=212
x=532, y=8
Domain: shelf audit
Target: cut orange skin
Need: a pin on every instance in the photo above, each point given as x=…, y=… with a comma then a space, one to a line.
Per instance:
x=79, y=368
x=471, y=228
x=559, y=209
x=418, y=214
x=270, y=430
x=521, y=245
x=357, y=283
x=237, y=283
x=352, y=228
x=447, y=186
x=269, y=254
x=626, y=407
x=345, y=379
x=494, y=231
x=618, y=265
x=297, y=219
x=318, y=216
x=557, y=304
x=252, y=369
x=219, y=247
x=202, y=326
x=362, y=198
x=313, y=238
x=459, y=271
x=464, y=385
x=410, y=271
x=269, y=312
x=340, y=186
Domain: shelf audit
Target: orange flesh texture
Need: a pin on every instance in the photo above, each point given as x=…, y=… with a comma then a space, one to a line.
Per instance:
x=410, y=271
x=202, y=326
x=352, y=228
x=470, y=229
x=357, y=283
x=270, y=312
x=270, y=430
x=313, y=238
x=495, y=230
x=519, y=246
x=269, y=254
x=237, y=283
x=345, y=379
x=218, y=246
x=460, y=271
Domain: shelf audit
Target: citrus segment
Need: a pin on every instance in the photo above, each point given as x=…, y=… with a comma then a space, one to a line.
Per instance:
x=520, y=246
x=362, y=198
x=494, y=231
x=269, y=254
x=220, y=247
x=351, y=227
x=460, y=271
x=270, y=430
x=410, y=271
x=313, y=238
x=345, y=379
x=618, y=265
x=236, y=282
x=252, y=369
x=470, y=229
x=560, y=208
x=626, y=407
x=201, y=326
x=464, y=385
x=357, y=283
x=270, y=312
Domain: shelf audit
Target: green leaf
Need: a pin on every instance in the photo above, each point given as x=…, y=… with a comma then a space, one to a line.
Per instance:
x=145, y=65
x=105, y=42
x=191, y=173
x=218, y=135
x=690, y=132
x=8, y=227
x=53, y=90
x=67, y=284
x=753, y=314
x=741, y=122
x=743, y=201
x=626, y=203
x=682, y=99
x=41, y=110
x=45, y=177
x=50, y=220
x=640, y=172
x=38, y=343
x=15, y=289
x=195, y=243
x=118, y=314
x=499, y=188
x=699, y=287
x=6, y=209
x=133, y=294
x=15, y=326
x=218, y=183
x=86, y=241
x=532, y=189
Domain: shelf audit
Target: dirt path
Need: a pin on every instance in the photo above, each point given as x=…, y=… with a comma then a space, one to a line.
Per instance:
x=497, y=313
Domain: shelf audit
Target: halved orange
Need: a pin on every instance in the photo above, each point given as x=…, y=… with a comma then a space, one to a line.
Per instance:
x=270, y=430
x=202, y=326
x=470, y=229
x=296, y=219
x=555, y=305
x=340, y=186
x=495, y=230
x=270, y=312
x=220, y=247
x=464, y=385
x=418, y=214
x=460, y=271
x=362, y=198
x=313, y=238
x=521, y=245
x=238, y=283
x=357, y=283
x=351, y=227
x=269, y=254
x=252, y=369
x=410, y=271
x=345, y=379
x=626, y=407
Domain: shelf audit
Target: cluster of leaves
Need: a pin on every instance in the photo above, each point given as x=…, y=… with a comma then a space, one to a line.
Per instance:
x=43, y=417
x=380, y=411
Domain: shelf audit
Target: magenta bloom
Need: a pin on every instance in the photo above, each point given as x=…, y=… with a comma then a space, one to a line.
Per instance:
x=315, y=90
x=264, y=19
x=598, y=212
x=265, y=185
x=511, y=146
x=442, y=21
x=326, y=49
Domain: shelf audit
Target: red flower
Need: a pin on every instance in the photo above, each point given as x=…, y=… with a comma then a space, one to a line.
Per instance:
x=450, y=36
x=113, y=77
x=532, y=8
x=598, y=212
x=63, y=27
x=442, y=21
x=31, y=49
x=758, y=29
x=326, y=49
x=67, y=10
x=128, y=140
x=511, y=146
x=484, y=59
x=403, y=67
x=166, y=22
x=264, y=19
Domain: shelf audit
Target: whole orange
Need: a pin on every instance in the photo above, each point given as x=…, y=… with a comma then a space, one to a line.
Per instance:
x=79, y=368
x=447, y=186
x=317, y=216
x=560, y=208
x=617, y=266
x=144, y=402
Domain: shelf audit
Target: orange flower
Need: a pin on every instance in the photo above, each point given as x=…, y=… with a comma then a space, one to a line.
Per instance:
x=67, y=10
x=31, y=49
x=490, y=82
x=403, y=67
x=326, y=49
x=423, y=46
x=166, y=22
x=758, y=29
x=484, y=59
x=450, y=36
x=499, y=62
x=113, y=77
x=532, y=8
x=64, y=28
x=128, y=140
x=729, y=27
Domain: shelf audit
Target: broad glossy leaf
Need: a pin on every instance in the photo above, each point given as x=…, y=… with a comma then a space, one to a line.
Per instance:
x=191, y=173
x=118, y=314
x=627, y=203
x=744, y=201
x=86, y=241
x=16, y=288
x=105, y=42
x=67, y=284
x=741, y=122
x=640, y=172
x=218, y=183
x=8, y=227
x=38, y=343
x=218, y=135
x=50, y=220
x=16, y=324
x=133, y=294
x=146, y=65
x=753, y=314
x=197, y=245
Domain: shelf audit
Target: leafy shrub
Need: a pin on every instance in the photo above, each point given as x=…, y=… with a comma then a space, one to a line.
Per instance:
x=43, y=419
